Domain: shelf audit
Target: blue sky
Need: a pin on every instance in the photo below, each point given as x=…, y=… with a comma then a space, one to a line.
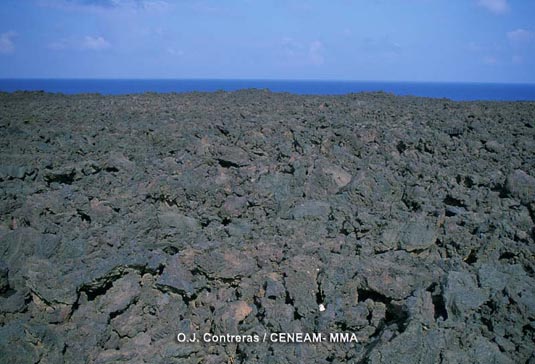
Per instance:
x=383, y=40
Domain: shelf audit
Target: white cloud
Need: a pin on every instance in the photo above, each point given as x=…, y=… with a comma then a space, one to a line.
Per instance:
x=495, y=6
x=520, y=36
x=87, y=43
x=202, y=7
x=94, y=43
x=158, y=5
x=147, y=4
x=6, y=42
x=315, y=53
x=291, y=46
x=103, y=5
x=304, y=53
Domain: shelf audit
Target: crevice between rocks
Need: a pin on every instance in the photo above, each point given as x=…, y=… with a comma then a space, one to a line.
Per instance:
x=438, y=301
x=101, y=285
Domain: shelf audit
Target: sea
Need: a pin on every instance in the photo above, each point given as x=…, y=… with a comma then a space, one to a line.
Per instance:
x=453, y=91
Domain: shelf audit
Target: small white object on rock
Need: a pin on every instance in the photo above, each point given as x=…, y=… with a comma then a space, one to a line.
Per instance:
x=322, y=307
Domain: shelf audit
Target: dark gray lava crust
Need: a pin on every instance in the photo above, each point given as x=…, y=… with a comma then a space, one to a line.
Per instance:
x=128, y=219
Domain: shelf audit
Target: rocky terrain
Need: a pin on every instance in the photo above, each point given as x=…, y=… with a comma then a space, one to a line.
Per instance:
x=126, y=220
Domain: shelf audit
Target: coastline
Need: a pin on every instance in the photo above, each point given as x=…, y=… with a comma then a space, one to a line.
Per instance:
x=458, y=91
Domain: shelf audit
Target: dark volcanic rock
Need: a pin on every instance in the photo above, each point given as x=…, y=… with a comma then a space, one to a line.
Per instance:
x=125, y=220
x=227, y=264
x=521, y=185
x=177, y=277
x=4, y=282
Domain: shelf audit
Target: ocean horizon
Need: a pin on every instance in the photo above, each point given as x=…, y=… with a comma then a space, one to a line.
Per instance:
x=458, y=91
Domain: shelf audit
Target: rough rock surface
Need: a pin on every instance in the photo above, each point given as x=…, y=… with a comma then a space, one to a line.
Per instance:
x=125, y=220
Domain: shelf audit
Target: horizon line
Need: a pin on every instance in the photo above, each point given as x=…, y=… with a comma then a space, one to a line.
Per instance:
x=259, y=79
